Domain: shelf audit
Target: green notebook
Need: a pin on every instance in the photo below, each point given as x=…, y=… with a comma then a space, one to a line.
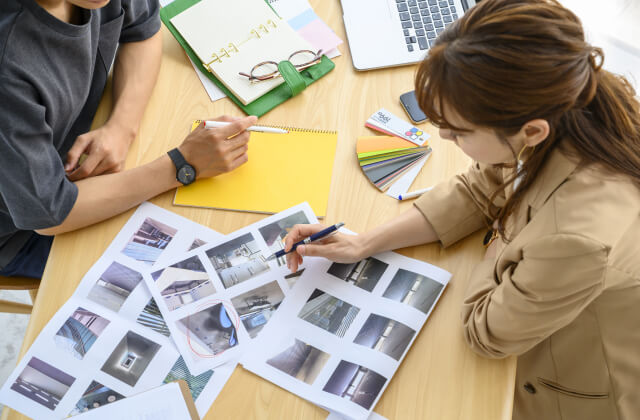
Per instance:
x=294, y=81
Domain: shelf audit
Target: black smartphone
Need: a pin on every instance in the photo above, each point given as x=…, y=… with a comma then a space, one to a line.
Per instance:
x=410, y=105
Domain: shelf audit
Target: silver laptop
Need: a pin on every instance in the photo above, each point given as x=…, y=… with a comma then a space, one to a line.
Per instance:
x=386, y=33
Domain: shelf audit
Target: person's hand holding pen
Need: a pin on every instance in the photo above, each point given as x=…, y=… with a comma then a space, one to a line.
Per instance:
x=219, y=150
x=337, y=247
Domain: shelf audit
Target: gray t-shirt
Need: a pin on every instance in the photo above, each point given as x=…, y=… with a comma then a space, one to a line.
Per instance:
x=52, y=75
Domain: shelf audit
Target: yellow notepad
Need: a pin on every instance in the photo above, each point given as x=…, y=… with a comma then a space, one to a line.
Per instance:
x=283, y=170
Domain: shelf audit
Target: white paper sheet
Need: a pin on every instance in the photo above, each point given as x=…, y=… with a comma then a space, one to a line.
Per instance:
x=344, y=330
x=235, y=290
x=108, y=341
x=163, y=403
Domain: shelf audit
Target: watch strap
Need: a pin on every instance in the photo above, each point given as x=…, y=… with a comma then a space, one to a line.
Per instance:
x=178, y=159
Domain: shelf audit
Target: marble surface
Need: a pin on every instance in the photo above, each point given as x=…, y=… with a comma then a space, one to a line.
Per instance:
x=13, y=327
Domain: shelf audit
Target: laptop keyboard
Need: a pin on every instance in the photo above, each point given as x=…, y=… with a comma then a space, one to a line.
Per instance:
x=423, y=21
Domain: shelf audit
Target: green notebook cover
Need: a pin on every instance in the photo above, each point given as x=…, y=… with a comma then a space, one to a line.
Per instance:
x=264, y=103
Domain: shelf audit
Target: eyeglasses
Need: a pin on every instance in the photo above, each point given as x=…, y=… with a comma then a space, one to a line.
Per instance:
x=268, y=70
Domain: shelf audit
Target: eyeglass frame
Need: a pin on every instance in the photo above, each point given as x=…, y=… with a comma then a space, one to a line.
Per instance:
x=257, y=79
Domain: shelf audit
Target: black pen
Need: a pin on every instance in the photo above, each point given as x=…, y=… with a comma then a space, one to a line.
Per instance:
x=316, y=236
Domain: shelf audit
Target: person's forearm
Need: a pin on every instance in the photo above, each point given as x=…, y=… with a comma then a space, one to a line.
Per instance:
x=408, y=229
x=134, y=75
x=105, y=196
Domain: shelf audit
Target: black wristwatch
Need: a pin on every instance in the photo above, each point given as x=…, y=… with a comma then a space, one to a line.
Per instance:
x=185, y=173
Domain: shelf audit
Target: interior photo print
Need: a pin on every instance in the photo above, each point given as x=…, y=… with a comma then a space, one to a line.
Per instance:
x=413, y=289
x=196, y=384
x=274, y=233
x=95, y=396
x=364, y=274
x=79, y=332
x=385, y=335
x=149, y=241
x=151, y=317
x=212, y=328
x=114, y=286
x=43, y=383
x=355, y=383
x=130, y=358
x=238, y=260
x=328, y=312
x=300, y=360
x=256, y=306
x=183, y=283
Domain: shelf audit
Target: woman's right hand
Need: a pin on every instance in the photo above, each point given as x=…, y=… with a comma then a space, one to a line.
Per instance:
x=211, y=150
x=340, y=247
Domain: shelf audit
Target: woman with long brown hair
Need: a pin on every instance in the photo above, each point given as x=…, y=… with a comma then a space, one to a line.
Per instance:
x=556, y=179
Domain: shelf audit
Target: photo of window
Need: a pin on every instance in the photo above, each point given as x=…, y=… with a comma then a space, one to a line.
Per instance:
x=149, y=241
x=196, y=384
x=151, y=317
x=301, y=361
x=355, y=383
x=114, y=286
x=79, y=332
x=364, y=274
x=42, y=383
x=385, y=335
x=413, y=289
x=183, y=283
x=130, y=358
x=274, y=233
x=95, y=396
x=237, y=260
x=212, y=327
x=328, y=313
x=256, y=306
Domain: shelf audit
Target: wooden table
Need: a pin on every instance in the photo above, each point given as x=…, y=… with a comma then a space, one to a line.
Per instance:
x=440, y=378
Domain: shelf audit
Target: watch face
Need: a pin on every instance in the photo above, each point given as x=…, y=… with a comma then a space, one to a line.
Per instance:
x=186, y=174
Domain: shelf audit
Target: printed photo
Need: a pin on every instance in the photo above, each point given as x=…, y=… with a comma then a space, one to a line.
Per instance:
x=256, y=306
x=328, y=312
x=151, y=317
x=183, y=283
x=385, y=335
x=196, y=383
x=95, y=396
x=292, y=278
x=79, y=332
x=300, y=360
x=197, y=243
x=238, y=260
x=130, y=358
x=114, y=286
x=213, y=328
x=149, y=241
x=355, y=383
x=42, y=383
x=274, y=233
x=413, y=289
x=364, y=274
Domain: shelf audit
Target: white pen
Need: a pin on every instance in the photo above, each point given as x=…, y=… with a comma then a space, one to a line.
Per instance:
x=215, y=124
x=413, y=194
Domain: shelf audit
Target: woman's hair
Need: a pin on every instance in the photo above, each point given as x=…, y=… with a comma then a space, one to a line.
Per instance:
x=507, y=62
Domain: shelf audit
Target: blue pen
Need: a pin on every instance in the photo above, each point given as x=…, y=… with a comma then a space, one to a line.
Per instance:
x=316, y=236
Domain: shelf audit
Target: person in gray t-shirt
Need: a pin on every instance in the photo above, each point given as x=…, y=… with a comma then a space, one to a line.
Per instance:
x=55, y=57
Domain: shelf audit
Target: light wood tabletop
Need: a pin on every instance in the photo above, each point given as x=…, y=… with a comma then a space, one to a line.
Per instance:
x=440, y=377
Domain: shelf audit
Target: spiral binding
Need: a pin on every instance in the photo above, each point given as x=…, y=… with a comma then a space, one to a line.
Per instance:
x=294, y=129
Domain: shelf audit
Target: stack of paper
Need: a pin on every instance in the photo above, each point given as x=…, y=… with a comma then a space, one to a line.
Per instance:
x=384, y=159
x=172, y=300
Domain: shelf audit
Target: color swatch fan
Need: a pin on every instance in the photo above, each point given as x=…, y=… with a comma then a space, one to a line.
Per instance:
x=384, y=159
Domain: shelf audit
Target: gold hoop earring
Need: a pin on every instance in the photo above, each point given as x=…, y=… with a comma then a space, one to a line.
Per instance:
x=520, y=154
